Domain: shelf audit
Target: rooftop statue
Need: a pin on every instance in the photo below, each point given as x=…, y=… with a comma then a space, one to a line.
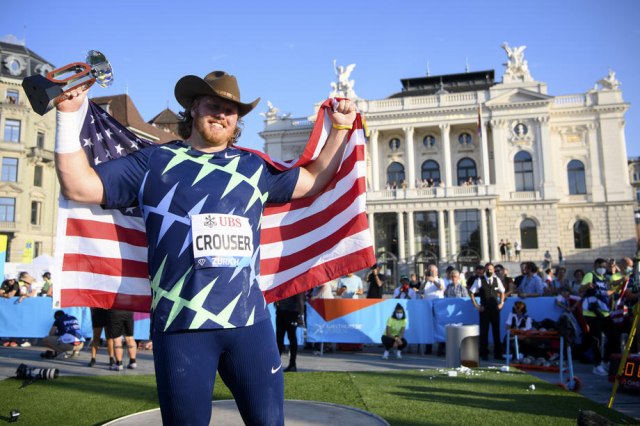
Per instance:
x=517, y=67
x=609, y=82
x=344, y=86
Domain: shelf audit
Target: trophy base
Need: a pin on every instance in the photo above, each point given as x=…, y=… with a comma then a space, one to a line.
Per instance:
x=41, y=92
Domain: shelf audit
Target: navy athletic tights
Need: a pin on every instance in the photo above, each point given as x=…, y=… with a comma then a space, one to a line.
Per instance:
x=247, y=359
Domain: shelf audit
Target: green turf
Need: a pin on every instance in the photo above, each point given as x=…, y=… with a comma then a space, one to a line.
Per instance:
x=401, y=397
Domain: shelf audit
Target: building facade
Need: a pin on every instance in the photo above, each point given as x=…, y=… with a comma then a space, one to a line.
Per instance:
x=28, y=183
x=456, y=163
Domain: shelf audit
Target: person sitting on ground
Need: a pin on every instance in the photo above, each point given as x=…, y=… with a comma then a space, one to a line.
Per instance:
x=519, y=320
x=120, y=323
x=404, y=291
x=64, y=337
x=393, y=337
x=47, y=287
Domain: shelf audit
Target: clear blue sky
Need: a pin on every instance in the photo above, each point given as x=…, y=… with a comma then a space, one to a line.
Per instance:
x=284, y=51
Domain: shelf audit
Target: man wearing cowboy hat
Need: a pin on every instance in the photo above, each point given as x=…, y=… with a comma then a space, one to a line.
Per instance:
x=202, y=200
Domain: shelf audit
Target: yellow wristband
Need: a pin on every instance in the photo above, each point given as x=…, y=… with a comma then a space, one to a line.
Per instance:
x=341, y=126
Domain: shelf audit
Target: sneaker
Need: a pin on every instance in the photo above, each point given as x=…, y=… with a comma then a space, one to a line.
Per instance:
x=290, y=369
x=13, y=344
x=600, y=370
x=398, y=355
x=116, y=367
x=5, y=344
x=112, y=361
x=92, y=362
x=25, y=345
x=385, y=355
x=132, y=366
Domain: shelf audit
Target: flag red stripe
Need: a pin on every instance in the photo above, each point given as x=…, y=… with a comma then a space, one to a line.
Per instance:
x=303, y=226
x=105, y=231
x=105, y=265
x=282, y=263
x=360, y=259
x=345, y=169
x=86, y=297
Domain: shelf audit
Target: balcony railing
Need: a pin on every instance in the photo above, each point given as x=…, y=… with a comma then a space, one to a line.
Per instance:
x=8, y=226
x=437, y=192
x=525, y=195
x=43, y=155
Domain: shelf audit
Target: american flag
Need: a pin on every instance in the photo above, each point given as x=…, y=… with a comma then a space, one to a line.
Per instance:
x=304, y=243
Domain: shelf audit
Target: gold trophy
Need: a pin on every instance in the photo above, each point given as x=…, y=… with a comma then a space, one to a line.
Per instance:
x=45, y=92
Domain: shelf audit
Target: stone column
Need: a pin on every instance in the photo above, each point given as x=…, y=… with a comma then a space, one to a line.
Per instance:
x=484, y=237
x=375, y=166
x=594, y=167
x=411, y=166
x=442, y=237
x=411, y=237
x=372, y=229
x=502, y=168
x=401, y=251
x=446, y=151
x=484, y=153
x=544, y=145
x=453, y=248
x=493, y=232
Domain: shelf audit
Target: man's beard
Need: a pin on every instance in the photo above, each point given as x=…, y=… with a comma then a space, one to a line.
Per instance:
x=202, y=126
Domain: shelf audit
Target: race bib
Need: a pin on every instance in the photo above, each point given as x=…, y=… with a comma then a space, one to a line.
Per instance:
x=221, y=240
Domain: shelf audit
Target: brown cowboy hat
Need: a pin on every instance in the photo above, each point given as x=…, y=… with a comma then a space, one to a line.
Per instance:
x=216, y=83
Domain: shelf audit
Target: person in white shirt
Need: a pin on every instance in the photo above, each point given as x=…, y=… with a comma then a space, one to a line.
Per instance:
x=491, y=292
x=433, y=286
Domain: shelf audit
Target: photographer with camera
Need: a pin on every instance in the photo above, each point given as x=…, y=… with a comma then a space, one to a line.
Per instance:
x=64, y=336
x=289, y=316
x=596, y=293
x=376, y=282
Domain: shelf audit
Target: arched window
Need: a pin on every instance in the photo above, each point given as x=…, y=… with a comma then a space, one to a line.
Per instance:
x=466, y=170
x=431, y=170
x=395, y=174
x=575, y=172
x=581, y=235
x=529, y=234
x=523, y=167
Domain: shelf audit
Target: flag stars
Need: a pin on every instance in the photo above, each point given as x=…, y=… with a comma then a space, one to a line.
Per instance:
x=87, y=142
x=108, y=132
x=119, y=149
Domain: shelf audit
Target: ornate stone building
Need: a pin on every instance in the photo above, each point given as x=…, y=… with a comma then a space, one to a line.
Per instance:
x=28, y=184
x=458, y=162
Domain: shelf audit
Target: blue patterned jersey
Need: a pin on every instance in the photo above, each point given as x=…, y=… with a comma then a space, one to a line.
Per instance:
x=202, y=214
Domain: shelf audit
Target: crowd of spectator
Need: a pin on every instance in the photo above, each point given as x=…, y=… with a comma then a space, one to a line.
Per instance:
x=599, y=301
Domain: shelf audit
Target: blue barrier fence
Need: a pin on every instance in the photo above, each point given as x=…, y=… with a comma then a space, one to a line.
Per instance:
x=328, y=320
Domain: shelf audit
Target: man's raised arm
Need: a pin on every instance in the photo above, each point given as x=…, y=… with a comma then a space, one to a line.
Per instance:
x=316, y=175
x=78, y=180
